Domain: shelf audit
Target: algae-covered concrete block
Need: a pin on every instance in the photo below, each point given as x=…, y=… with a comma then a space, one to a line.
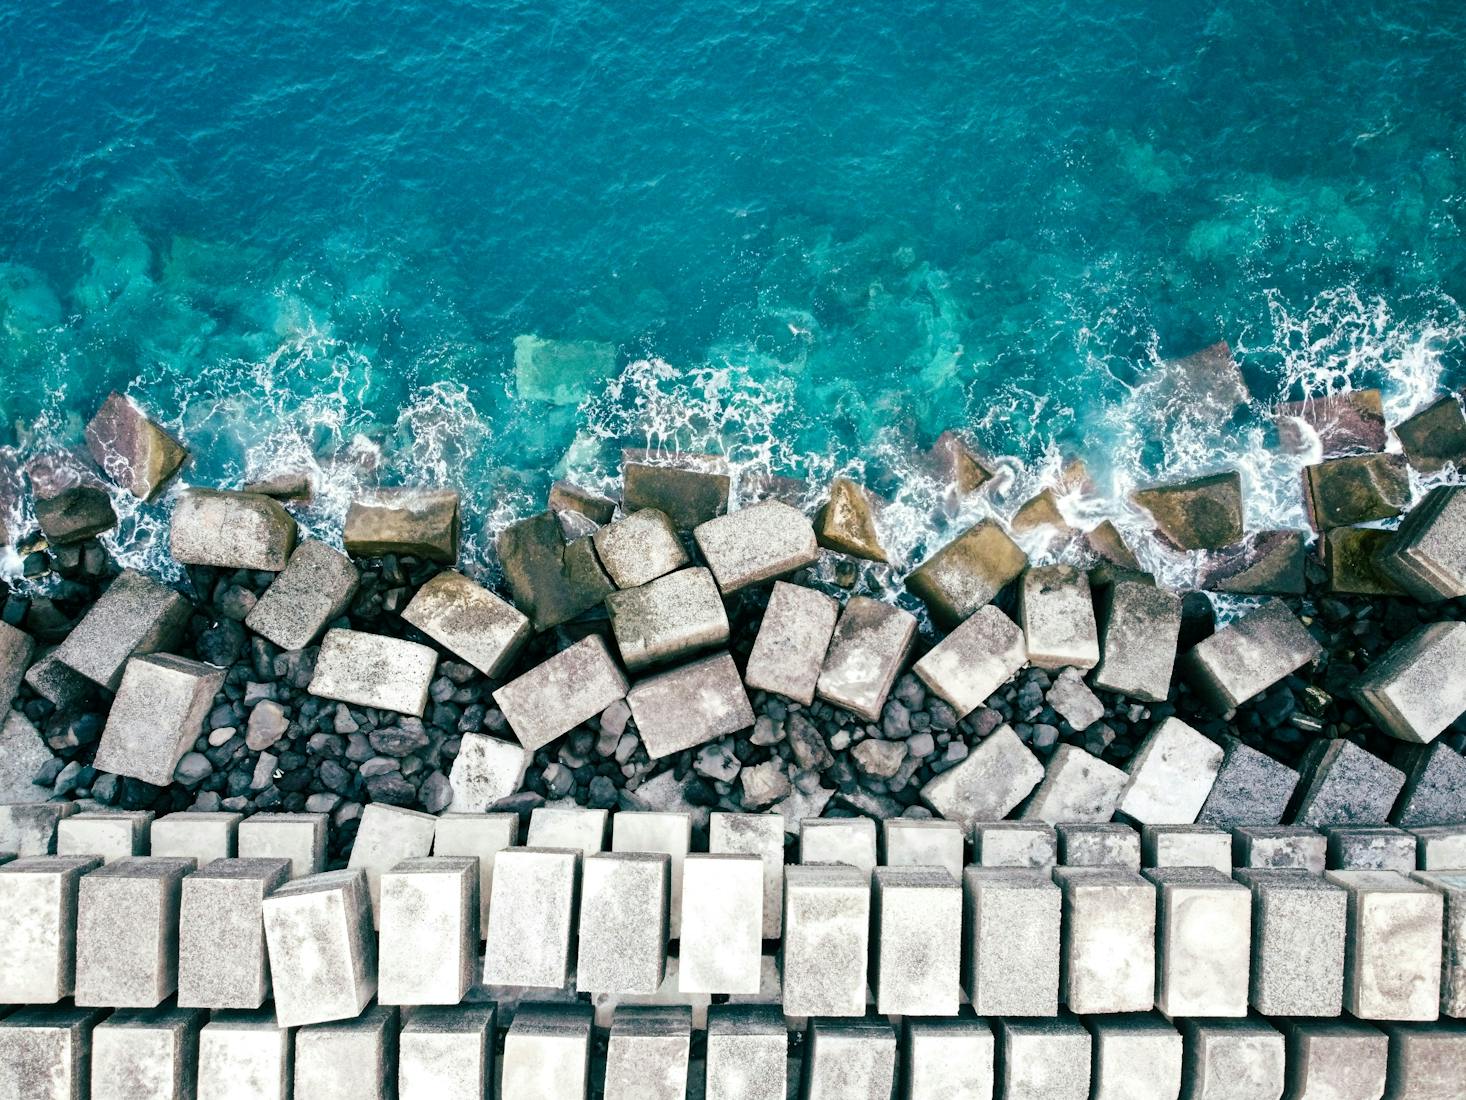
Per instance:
x=1044, y=1059
x=747, y=1053
x=1204, y=513
x=472, y=622
x=300, y=838
x=134, y=617
x=1139, y=628
x=689, y=706
x=1233, y=1060
x=1250, y=655
x=1108, y=960
x=110, y=834
x=17, y=648
x=849, y=1060
x=385, y=837
x=994, y=778
x=1057, y=614
x=1205, y=925
x=1135, y=1058
x=1170, y=775
x=551, y=580
x=622, y=940
x=974, y=660
x=222, y=960
x=146, y=1054
x=826, y=934
x=1354, y=489
x=159, y=711
x=371, y=670
x=870, y=645
x=355, y=1058
x=203, y=837
x=648, y=1052
x=1416, y=689
x=38, y=903
x=761, y=835
x=1015, y=844
x=967, y=573
x=792, y=638
x=692, y=490
x=127, y=933
x=639, y=547
x=323, y=956
x=429, y=939
x=1299, y=925
x=45, y=1053
x=557, y=695
x=532, y=918
x=918, y=934
x=420, y=522
x=315, y=587
x=447, y=1053
x=668, y=618
x=1077, y=786
x=231, y=530
x=1011, y=954
x=1393, y=966
x=547, y=1053
x=756, y=544
x=131, y=448
x=722, y=923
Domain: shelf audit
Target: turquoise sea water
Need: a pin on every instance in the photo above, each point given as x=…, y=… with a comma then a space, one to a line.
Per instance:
x=487, y=244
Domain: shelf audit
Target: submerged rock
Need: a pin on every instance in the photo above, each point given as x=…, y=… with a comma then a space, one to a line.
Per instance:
x=846, y=522
x=75, y=514
x=560, y=372
x=1204, y=513
x=133, y=451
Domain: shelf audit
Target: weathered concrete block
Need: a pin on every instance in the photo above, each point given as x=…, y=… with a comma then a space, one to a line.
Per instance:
x=551, y=580
x=1044, y=1059
x=849, y=1060
x=161, y=704
x=1345, y=785
x=1011, y=953
x=648, y=1053
x=53, y=681
x=907, y=842
x=1335, y=1060
x=1370, y=848
x=1299, y=925
x=1393, y=967
x=45, y=1053
x=479, y=835
x=1415, y=690
x=222, y=961
x=867, y=651
x=1426, y=1061
x=17, y=648
x=669, y=995
x=1279, y=847
x=1170, y=775
x=231, y=530
x=1249, y=655
x=108, y=834
x=747, y=1053
x=1139, y=627
x=967, y=573
x=146, y=1054
x=623, y=922
x=38, y=905
x=1205, y=925
x=1435, y=785
x=846, y=522
x=1135, y=1058
x=826, y=936
x=1265, y=563
x=639, y=548
x=691, y=492
x=1099, y=844
x=323, y=956
x=847, y=840
x=973, y=661
x=918, y=932
x=420, y=522
x=203, y=837
x=573, y=827
x=385, y=837
x=1440, y=847
x=470, y=621
x=1434, y=436
x=1057, y=614
x=127, y=933
x=1427, y=557
x=1015, y=844
x=1251, y=788
x=557, y=695
x=532, y=918
x=300, y=838
x=947, y=1060
x=722, y=923
x=1186, y=846
x=355, y=1058
x=429, y=938
x=1077, y=786
x=690, y=705
x=1333, y=424
x=29, y=828
x=760, y=835
x=1108, y=956
x=486, y=771
x=756, y=544
x=792, y=638
x=668, y=618
x=133, y=450
x=667, y=833
x=996, y=776
x=566, y=496
x=372, y=670
x=447, y=1053
x=134, y=617
x=1233, y=1060
x=1343, y=492
x=1204, y=513
x=547, y=1053
x=1353, y=557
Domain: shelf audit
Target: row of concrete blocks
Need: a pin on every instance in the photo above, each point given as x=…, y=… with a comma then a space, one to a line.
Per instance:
x=549, y=1052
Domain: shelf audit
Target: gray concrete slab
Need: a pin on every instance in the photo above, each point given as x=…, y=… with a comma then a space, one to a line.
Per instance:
x=722, y=923
x=1010, y=955
x=157, y=716
x=1299, y=928
x=355, y=1058
x=826, y=936
x=127, y=933
x=789, y=650
x=38, y=906
x=1108, y=959
x=373, y=670
x=532, y=918
x=428, y=943
x=761, y=835
x=222, y=959
x=447, y=1053
x=622, y=936
x=323, y=956
x=918, y=941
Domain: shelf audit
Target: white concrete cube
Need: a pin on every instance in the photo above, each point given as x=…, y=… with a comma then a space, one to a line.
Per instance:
x=385, y=836
x=372, y=670
x=648, y=1053
x=127, y=933
x=1370, y=848
x=447, y=1053
x=45, y=1053
x=547, y=1053
x=1057, y=614
x=849, y=1060
x=1205, y=949
x=1077, y=786
x=157, y=715
x=908, y=842
x=146, y=1054
x=1109, y=940
x=847, y=840
x=473, y=623
x=315, y=587
x=1414, y=690
x=622, y=939
x=203, y=837
x=1012, y=949
x=1099, y=844
x=244, y=1056
x=974, y=660
x=532, y=918
x=348, y=1058
x=29, y=828
x=222, y=960
x=1279, y=847
x=690, y=705
x=38, y=904
x=722, y=923
x=1335, y=1060
x=1030, y=844
x=1170, y=775
x=918, y=941
x=668, y=833
x=947, y=1060
x=1451, y=885
x=1044, y=1059
x=1136, y=1057
x=1233, y=1059
x=1440, y=847
x=108, y=834
x=1186, y=846
x=486, y=771
x=826, y=939
x=1392, y=970
x=568, y=827
x=994, y=778
x=871, y=642
x=747, y=1053
x=300, y=838
x=792, y=638
x=323, y=956
x=560, y=693
x=428, y=919
x=1299, y=925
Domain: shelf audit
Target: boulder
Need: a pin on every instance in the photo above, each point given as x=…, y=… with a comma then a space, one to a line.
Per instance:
x=1204, y=513
x=135, y=616
x=371, y=670
x=967, y=572
x=994, y=778
x=1249, y=655
x=1140, y=628
x=692, y=491
x=1341, y=492
x=1268, y=563
x=75, y=514
x=230, y=530
x=315, y=587
x=689, y=706
x=1338, y=423
x=560, y=693
x=973, y=661
x=756, y=544
x=469, y=621
x=639, y=547
x=792, y=638
x=159, y=712
x=667, y=619
x=550, y=580
x=1434, y=437
x=1057, y=615
x=846, y=523
x=1353, y=557
x=420, y=522
x=870, y=645
x=1427, y=556
x=134, y=451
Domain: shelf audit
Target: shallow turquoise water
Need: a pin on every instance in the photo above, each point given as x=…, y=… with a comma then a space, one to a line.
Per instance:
x=809, y=234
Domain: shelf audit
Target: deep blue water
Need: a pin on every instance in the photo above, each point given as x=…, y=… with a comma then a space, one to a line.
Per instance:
x=809, y=234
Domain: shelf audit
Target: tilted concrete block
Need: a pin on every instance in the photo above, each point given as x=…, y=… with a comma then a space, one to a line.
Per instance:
x=1205, y=951
x=17, y=650
x=870, y=645
x=1044, y=1059
x=1435, y=786
x=1392, y=969
x=1077, y=786
x=1250, y=655
x=532, y=918
x=429, y=941
x=355, y=1058
x=243, y=1054
x=421, y=522
x=756, y=544
x=1099, y=844
x=761, y=835
x=203, y=837
x=1427, y=556
x=1233, y=1059
x=1335, y=1059
x=648, y=1053
x=1140, y=625
x=622, y=939
x=447, y=1053
x=974, y=660
x=668, y=619
x=1299, y=925
x=159, y=711
x=482, y=836
x=372, y=670
x=1170, y=775
x=849, y=1060
x=127, y=933
x=146, y=1054
x=134, y=617
x=1416, y=689
x=994, y=778
x=1109, y=940
x=722, y=923
x=1011, y=954
x=573, y=827
x=1370, y=848
x=1015, y=844
x=668, y=833
x=222, y=960
x=323, y=956
x=1186, y=846
x=1251, y=788
x=1345, y=785
x=1425, y=1060
x=947, y=1060
x=639, y=547
x=967, y=573
x=315, y=587
x=470, y=621
x=559, y=694
x=1057, y=614
x=1440, y=847
x=29, y=828
x=907, y=842
x=486, y=771
x=300, y=838
x=847, y=840
x=45, y=1053
x=1279, y=847
x=918, y=941
x=110, y=834
x=38, y=903
x=231, y=530
x=789, y=650
x=747, y=1053
x=547, y=1053
x=1135, y=1058
x=385, y=837
x=690, y=488
x=688, y=706
x=826, y=937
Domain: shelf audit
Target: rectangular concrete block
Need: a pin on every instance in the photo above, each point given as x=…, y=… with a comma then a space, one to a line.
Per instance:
x=1440, y=847
x=482, y=836
x=1057, y=614
x=1077, y=786
x=1108, y=956
x=1135, y=1057
x=300, y=838
x=667, y=833
x=1425, y=557
x=994, y=778
x=447, y=1053
x=222, y=959
x=1234, y=1060
x=792, y=638
x=470, y=621
x=532, y=918
x=1249, y=655
x=1171, y=775
x=688, y=706
x=372, y=670
x=411, y=520
x=1392, y=968
x=747, y=1053
x=1251, y=788
x=722, y=923
x=826, y=939
x=244, y=1055
x=975, y=660
x=355, y=1058
x=202, y=837
x=648, y=1053
x=668, y=619
x=1139, y=627
x=560, y=693
x=127, y=933
x=1412, y=691
x=1204, y=954
x=1047, y=1059
x=967, y=573
x=547, y=1053
x=761, y=835
x=1099, y=844
x=1426, y=1061
x=847, y=840
x=849, y=1060
x=486, y=771
x=622, y=937
x=566, y=826
x=146, y=1054
x=38, y=908
x=385, y=837
x=869, y=648
x=756, y=544
x=428, y=944
x=917, y=937
x=639, y=547
x=134, y=617
x=1186, y=846
x=231, y=530
x=1335, y=1060
x=158, y=713
x=947, y=1060
x=1015, y=844
x=45, y=1053
x=909, y=842
x=323, y=956
x=108, y=834
x=1435, y=786
x=1299, y=925
x=1280, y=847
x=29, y=828
x=1346, y=785
x=1010, y=953
x=315, y=587
x=1370, y=848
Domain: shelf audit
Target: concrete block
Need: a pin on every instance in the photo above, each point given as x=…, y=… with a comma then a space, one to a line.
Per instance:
x=1233, y=1060
x=908, y=842
x=747, y=1053
x=315, y=587
x=870, y=645
x=667, y=833
x=1345, y=785
x=1415, y=689
x=1392, y=968
x=146, y=1054
x=1205, y=951
x=639, y=548
x=1427, y=557
x=967, y=573
x=572, y=827
x=1044, y=1059
x=416, y=521
x=761, y=835
x=38, y=903
x=547, y=1053
x=1335, y=1060
x=467, y=619
x=1426, y=1061
x=849, y=1060
x=1440, y=847
x=692, y=489
x=648, y=1053
x=532, y=917
x=1007, y=972
x=323, y=956
x=482, y=836
x=1343, y=492
x=994, y=778
x=1279, y=847
x=756, y=544
x=566, y=496
x=158, y=713
x=1370, y=848
x=826, y=938
x=947, y=1060
x=300, y=838
x=53, y=681
x=17, y=649
x=623, y=922
x=1186, y=846
x=447, y=1053
x=918, y=940
x=1057, y=614
x=1107, y=962
x=559, y=694
x=1299, y=925
x=1249, y=655
x=109, y=834
x=722, y=923
x=1139, y=628
x=127, y=933
x=29, y=828
x=45, y=1053
x=974, y=660
x=429, y=937
x=1171, y=775
x=789, y=650
x=688, y=706
x=202, y=837
x=355, y=1058
x=847, y=840
x=1135, y=1058
x=1251, y=788
x=385, y=837
x=372, y=670
x=1099, y=844
x=486, y=771
x=134, y=617
x=668, y=619
x=1077, y=786
x=1015, y=844
x=231, y=530
x=670, y=994
x=1435, y=786
x=222, y=960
